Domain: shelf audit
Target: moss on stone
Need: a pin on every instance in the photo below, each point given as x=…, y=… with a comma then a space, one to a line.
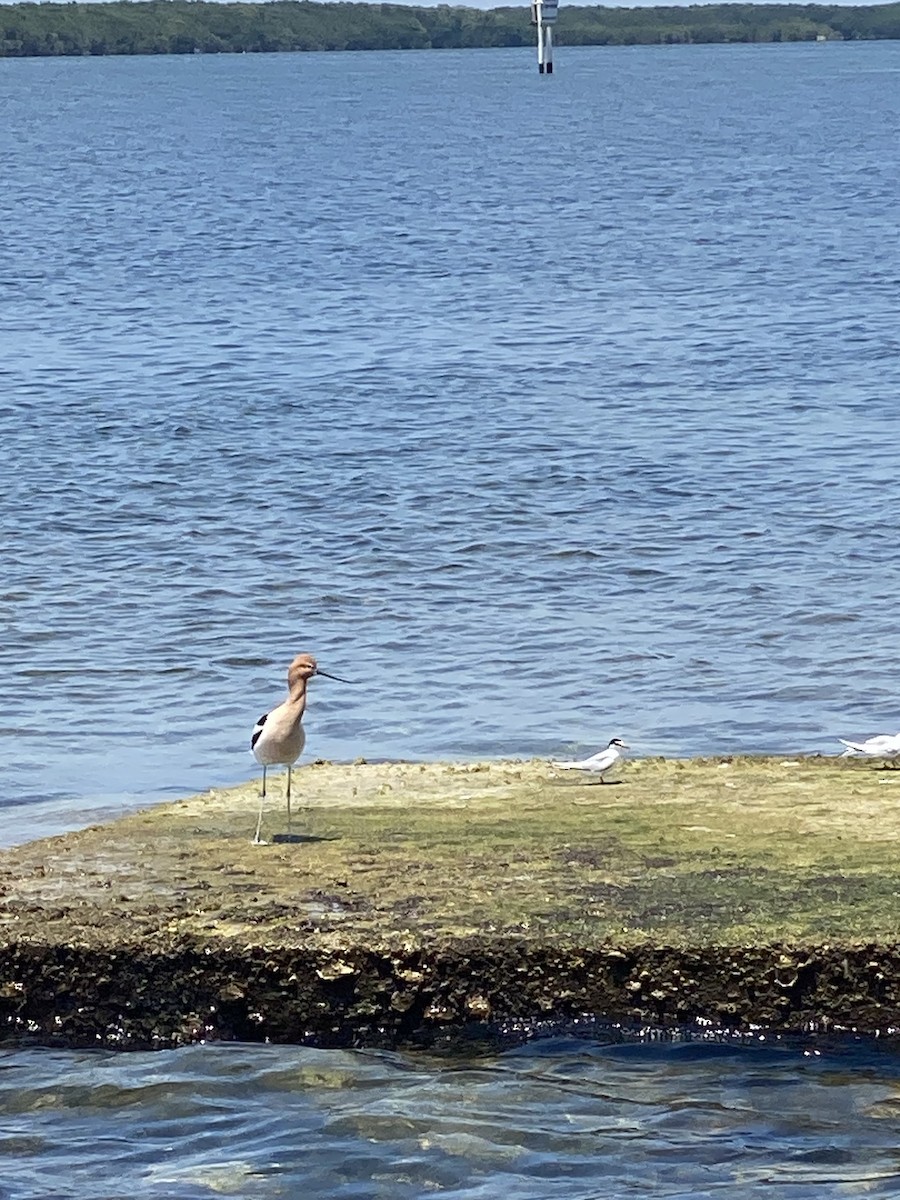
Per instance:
x=432, y=869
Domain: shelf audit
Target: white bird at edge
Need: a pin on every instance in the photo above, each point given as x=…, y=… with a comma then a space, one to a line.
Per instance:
x=278, y=737
x=885, y=745
x=597, y=764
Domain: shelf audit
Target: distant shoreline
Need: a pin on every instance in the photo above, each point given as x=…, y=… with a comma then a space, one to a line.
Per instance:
x=143, y=27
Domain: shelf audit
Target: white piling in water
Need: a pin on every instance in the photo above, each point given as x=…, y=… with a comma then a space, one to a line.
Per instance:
x=543, y=15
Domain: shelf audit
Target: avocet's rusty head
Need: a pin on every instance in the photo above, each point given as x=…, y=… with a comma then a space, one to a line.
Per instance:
x=304, y=667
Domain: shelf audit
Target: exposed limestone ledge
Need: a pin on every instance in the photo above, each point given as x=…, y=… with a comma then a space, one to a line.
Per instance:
x=423, y=897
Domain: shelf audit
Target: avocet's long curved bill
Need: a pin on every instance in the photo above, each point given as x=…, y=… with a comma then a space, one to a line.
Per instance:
x=337, y=678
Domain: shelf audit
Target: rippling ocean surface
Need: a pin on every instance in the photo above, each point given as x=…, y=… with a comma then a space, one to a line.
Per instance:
x=557, y=1119
x=551, y=409
x=548, y=408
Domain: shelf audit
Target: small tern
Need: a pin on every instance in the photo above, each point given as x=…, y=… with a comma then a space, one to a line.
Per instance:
x=597, y=764
x=885, y=745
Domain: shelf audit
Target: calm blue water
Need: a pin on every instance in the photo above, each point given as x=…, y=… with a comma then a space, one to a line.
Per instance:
x=550, y=409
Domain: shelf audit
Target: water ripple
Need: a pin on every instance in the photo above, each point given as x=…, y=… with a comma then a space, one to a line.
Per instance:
x=543, y=437
x=562, y=1117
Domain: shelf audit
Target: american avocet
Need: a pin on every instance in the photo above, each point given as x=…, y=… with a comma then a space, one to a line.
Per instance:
x=278, y=736
x=884, y=745
x=597, y=764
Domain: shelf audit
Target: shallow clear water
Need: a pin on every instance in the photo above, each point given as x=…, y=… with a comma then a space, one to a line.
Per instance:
x=562, y=1118
x=550, y=409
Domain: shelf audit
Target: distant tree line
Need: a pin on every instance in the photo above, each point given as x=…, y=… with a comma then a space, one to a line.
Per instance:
x=198, y=26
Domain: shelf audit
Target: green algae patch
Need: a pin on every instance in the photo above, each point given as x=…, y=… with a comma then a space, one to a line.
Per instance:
x=418, y=896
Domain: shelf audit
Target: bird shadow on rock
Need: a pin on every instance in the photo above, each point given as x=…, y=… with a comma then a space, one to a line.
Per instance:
x=281, y=838
x=590, y=783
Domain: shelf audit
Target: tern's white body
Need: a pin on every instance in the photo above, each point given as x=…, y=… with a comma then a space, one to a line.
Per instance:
x=885, y=745
x=597, y=764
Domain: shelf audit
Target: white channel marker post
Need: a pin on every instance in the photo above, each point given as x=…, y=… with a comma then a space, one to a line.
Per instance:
x=543, y=15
